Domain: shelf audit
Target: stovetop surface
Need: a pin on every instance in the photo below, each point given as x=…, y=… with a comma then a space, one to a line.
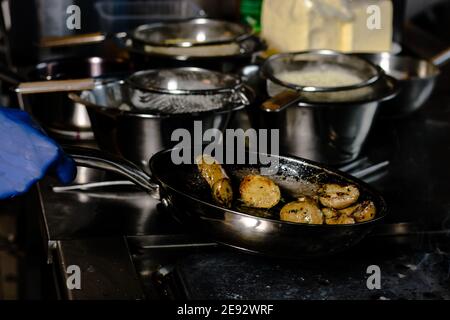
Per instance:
x=403, y=275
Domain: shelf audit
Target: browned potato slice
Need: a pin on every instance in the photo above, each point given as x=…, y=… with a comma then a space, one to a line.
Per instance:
x=350, y=210
x=330, y=213
x=259, y=192
x=338, y=197
x=342, y=219
x=217, y=179
x=302, y=211
x=222, y=192
x=333, y=220
x=366, y=211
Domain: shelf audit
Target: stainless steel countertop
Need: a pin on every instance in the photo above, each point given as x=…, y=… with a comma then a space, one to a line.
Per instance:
x=104, y=260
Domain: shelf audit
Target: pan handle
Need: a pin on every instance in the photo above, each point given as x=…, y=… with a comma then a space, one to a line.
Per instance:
x=72, y=40
x=55, y=86
x=112, y=113
x=441, y=58
x=51, y=86
x=96, y=159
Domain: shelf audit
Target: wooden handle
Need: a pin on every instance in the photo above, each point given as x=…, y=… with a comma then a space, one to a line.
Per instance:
x=73, y=40
x=55, y=86
x=279, y=101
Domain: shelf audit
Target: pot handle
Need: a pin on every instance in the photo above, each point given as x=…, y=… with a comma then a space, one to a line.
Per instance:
x=55, y=86
x=96, y=159
x=73, y=40
x=112, y=113
x=281, y=101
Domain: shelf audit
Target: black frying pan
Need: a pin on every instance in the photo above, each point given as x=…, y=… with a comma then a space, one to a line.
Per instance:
x=187, y=195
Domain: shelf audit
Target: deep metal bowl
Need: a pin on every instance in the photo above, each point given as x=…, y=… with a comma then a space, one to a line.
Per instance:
x=416, y=79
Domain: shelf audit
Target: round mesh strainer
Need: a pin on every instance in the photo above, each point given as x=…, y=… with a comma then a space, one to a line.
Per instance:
x=323, y=77
x=320, y=71
x=184, y=90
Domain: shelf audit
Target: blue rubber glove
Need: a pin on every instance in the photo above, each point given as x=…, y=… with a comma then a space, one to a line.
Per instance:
x=27, y=154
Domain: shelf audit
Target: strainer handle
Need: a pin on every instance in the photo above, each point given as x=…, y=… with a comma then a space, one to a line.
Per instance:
x=245, y=99
x=247, y=94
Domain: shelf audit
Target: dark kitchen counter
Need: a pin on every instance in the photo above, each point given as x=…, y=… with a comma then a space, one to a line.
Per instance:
x=124, y=253
x=129, y=248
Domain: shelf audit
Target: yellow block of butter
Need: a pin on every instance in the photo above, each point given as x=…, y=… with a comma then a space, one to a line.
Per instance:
x=343, y=25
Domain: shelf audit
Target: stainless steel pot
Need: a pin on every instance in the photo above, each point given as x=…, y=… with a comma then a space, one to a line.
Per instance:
x=137, y=135
x=59, y=115
x=209, y=43
x=328, y=132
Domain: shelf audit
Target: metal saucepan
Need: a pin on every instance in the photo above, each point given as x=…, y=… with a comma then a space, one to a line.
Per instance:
x=183, y=191
x=329, y=127
x=207, y=43
x=197, y=32
x=138, y=133
x=59, y=115
x=416, y=79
